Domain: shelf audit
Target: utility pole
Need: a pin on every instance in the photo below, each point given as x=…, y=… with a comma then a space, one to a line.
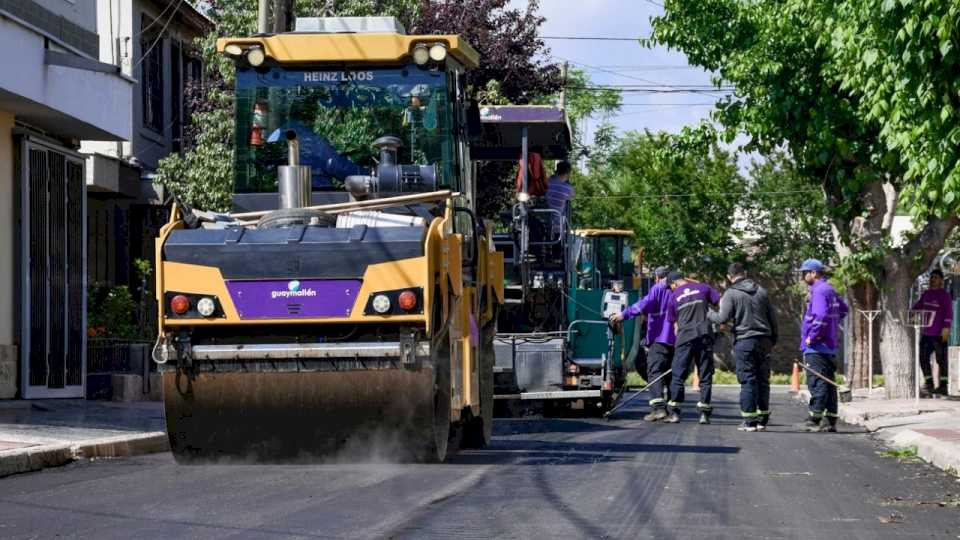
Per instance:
x=274, y=16
x=263, y=13
x=563, y=89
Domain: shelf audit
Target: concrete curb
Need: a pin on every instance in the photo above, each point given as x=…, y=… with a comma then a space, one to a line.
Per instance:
x=895, y=429
x=35, y=458
x=942, y=454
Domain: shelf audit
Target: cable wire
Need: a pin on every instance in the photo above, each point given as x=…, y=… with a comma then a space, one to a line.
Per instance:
x=689, y=195
x=153, y=21
x=593, y=38
x=143, y=56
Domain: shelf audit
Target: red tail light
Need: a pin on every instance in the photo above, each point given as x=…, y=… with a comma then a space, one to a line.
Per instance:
x=407, y=300
x=179, y=304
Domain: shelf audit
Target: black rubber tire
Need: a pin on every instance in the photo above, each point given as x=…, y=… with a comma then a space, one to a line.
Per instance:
x=439, y=438
x=289, y=217
x=478, y=431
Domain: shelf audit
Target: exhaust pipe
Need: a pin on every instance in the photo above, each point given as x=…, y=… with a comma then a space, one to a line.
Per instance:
x=294, y=181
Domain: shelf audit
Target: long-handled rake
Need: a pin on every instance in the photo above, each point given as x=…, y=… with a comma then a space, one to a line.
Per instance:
x=607, y=414
x=844, y=395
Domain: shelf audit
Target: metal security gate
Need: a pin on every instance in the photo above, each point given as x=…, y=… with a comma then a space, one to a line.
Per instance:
x=53, y=271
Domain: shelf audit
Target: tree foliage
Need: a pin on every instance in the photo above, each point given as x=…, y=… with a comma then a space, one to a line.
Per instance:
x=508, y=40
x=863, y=94
x=900, y=60
x=680, y=203
x=783, y=219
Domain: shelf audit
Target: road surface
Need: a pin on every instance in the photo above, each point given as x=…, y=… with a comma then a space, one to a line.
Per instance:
x=541, y=478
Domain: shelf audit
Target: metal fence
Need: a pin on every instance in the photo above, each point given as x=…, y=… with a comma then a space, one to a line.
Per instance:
x=107, y=355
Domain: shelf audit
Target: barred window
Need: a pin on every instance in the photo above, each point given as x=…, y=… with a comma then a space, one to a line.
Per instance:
x=151, y=76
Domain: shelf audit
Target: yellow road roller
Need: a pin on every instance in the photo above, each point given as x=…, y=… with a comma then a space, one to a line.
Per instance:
x=347, y=305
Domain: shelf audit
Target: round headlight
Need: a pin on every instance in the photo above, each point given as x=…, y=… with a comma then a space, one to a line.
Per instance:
x=206, y=307
x=381, y=303
x=523, y=197
x=438, y=52
x=233, y=49
x=421, y=54
x=256, y=56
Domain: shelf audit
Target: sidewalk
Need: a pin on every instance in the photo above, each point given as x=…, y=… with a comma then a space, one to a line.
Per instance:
x=933, y=427
x=48, y=433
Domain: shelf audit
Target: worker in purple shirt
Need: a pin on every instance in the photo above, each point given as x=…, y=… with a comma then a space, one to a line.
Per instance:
x=660, y=339
x=559, y=190
x=818, y=342
x=935, y=336
x=688, y=310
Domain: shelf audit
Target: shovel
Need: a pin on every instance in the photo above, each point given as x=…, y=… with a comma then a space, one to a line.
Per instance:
x=844, y=395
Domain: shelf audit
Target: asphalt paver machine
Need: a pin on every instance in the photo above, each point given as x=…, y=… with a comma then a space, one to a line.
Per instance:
x=554, y=349
x=347, y=304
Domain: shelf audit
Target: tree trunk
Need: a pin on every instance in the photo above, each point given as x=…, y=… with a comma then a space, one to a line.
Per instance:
x=896, y=338
x=862, y=296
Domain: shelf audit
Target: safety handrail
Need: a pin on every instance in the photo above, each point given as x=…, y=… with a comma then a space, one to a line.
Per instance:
x=561, y=229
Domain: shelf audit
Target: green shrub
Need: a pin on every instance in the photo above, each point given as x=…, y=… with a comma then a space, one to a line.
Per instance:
x=111, y=312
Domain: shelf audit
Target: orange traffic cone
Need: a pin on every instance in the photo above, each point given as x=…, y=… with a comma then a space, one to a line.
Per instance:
x=795, y=378
x=696, y=379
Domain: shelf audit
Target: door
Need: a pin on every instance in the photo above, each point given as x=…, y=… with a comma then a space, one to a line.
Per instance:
x=53, y=271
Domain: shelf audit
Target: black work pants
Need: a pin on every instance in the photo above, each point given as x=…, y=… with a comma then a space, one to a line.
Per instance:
x=752, y=356
x=697, y=351
x=823, y=396
x=933, y=345
x=659, y=358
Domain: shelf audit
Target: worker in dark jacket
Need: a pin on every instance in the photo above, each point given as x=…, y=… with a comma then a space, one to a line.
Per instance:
x=754, y=335
x=695, y=338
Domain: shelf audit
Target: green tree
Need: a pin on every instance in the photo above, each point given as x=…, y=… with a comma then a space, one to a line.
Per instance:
x=583, y=103
x=833, y=81
x=783, y=219
x=680, y=202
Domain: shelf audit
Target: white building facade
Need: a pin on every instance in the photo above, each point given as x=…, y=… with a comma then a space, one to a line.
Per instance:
x=54, y=92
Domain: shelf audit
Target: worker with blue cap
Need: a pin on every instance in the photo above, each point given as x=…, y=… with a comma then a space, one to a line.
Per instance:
x=818, y=342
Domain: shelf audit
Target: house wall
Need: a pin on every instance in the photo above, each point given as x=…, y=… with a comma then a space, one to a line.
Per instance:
x=58, y=103
x=120, y=28
x=83, y=13
x=8, y=254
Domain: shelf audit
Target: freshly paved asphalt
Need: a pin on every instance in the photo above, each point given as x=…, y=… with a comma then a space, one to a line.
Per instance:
x=541, y=478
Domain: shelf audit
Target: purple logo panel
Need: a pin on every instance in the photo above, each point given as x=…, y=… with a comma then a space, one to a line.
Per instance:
x=294, y=299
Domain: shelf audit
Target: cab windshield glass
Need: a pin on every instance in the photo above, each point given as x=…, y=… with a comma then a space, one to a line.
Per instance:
x=337, y=115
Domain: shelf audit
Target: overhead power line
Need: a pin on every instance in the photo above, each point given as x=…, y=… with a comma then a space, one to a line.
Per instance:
x=656, y=85
x=710, y=104
x=709, y=194
x=633, y=77
x=144, y=55
x=594, y=38
x=628, y=68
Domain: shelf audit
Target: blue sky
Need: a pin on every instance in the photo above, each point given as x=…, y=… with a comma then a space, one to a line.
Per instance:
x=624, y=62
